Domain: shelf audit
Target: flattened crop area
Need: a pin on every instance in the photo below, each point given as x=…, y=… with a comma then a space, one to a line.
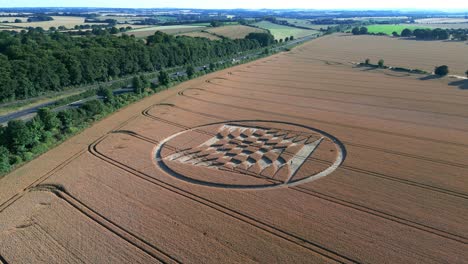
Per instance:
x=289, y=159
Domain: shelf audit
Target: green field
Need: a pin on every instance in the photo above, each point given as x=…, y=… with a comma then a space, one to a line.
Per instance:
x=389, y=29
x=281, y=32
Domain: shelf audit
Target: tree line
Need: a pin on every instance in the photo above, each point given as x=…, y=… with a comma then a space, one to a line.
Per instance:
x=423, y=33
x=35, y=62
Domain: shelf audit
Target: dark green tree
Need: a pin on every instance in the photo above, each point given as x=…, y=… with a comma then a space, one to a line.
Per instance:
x=4, y=160
x=48, y=118
x=190, y=71
x=145, y=81
x=137, y=85
x=66, y=119
x=18, y=136
x=93, y=107
x=406, y=33
x=291, y=38
x=163, y=78
x=441, y=70
x=363, y=31
x=106, y=93
x=213, y=67
x=381, y=63
x=265, y=39
x=355, y=31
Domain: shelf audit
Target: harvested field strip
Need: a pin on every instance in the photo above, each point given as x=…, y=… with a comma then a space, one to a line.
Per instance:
x=318, y=249
x=335, y=100
x=372, y=173
x=333, y=91
x=385, y=132
x=107, y=224
x=390, y=217
x=351, y=85
x=461, y=127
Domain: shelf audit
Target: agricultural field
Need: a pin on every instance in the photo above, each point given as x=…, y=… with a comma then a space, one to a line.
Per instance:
x=12, y=19
x=67, y=21
x=305, y=23
x=281, y=32
x=444, y=25
x=235, y=31
x=413, y=54
x=442, y=20
x=173, y=30
x=389, y=29
x=294, y=158
x=200, y=34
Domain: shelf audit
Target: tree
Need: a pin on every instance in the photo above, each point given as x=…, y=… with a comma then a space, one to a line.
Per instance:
x=406, y=32
x=4, y=160
x=355, y=31
x=265, y=39
x=163, y=78
x=48, y=118
x=18, y=136
x=137, y=85
x=18, y=20
x=367, y=61
x=363, y=31
x=381, y=63
x=144, y=81
x=216, y=24
x=281, y=41
x=190, y=71
x=291, y=38
x=106, y=93
x=286, y=39
x=395, y=34
x=66, y=119
x=441, y=70
x=466, y=73
x=93, y=107
x=212, y=66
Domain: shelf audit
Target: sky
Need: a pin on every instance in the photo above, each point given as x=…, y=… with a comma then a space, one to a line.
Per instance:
x=247, y=4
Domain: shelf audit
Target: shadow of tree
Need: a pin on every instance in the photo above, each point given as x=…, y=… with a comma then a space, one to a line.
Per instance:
x=430, y=77
x=462, y=84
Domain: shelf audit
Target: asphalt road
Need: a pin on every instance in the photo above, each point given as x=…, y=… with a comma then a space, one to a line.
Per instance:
x=28, y=114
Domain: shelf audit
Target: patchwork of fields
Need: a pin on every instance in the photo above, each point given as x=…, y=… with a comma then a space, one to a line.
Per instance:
x=295, y=158
x=234, y=32
x=282, y=32
x=389, y=29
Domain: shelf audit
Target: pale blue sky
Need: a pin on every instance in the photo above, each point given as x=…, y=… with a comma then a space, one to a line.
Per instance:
x=248, y=4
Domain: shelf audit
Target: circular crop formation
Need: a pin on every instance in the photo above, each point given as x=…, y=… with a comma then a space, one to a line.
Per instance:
x=249, y=154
